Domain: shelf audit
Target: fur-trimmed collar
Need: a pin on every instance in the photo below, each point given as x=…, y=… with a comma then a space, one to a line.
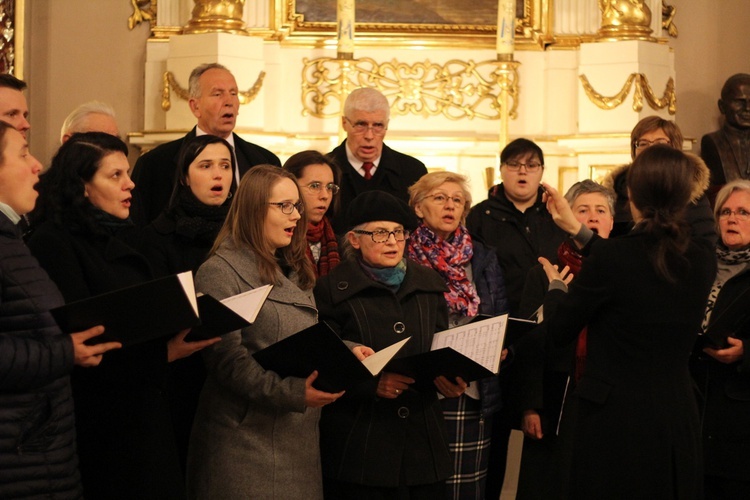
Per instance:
x=701, y=177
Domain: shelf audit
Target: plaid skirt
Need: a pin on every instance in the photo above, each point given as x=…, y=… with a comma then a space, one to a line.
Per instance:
x=469, y=443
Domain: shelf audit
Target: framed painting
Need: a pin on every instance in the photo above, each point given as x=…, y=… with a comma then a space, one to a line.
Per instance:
x=11, y=37
x=418, y=20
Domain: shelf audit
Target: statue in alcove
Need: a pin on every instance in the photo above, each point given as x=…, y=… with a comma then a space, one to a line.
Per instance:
x=727, y=151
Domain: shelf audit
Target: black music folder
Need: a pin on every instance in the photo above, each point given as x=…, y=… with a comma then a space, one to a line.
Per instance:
x=218, y=317
x=320, y=348
x=137, y=313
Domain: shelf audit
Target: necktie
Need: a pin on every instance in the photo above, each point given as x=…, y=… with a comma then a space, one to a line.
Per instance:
x=367, y=167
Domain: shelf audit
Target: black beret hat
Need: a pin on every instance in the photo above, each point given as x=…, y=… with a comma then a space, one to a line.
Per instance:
x=379, y=205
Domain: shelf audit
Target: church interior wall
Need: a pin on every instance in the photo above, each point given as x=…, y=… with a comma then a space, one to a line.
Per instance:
x=76, y=52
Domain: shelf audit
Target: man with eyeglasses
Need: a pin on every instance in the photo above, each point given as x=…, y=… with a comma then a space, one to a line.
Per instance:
x=366, y=163
x=727, y=151
x=214, y=101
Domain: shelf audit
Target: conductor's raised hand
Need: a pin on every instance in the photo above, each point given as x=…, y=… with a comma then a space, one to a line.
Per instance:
x=560, y=210
x=315, y=398
x=552, y=272
x=90, y=355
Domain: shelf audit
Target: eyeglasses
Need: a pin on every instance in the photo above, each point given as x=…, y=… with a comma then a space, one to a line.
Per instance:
x=515, y=166
x=645, y=143
x=287, y=207
x=741, y=214
x=441, y=199
x=381, y=235
x=317, y=187
x=360, y=127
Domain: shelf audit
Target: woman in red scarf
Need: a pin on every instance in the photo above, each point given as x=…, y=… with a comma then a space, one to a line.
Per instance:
x=318, y=179
x=476, y=285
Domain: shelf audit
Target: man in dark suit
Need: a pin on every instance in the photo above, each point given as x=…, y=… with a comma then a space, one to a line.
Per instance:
x=366, y=163
x=727, y=151
x=214, y=100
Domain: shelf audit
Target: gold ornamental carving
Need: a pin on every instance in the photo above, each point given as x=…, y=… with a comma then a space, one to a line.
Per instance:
x=217, y=16
x=642, y=89
x=143, y=10
x=456, y=89
x=625, y=20
x=170, y=84
x=667, y=18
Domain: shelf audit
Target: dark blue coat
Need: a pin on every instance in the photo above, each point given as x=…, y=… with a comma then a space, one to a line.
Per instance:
x=37, y=432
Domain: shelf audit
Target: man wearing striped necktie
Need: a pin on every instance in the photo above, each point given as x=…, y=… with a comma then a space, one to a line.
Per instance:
x=366, y=163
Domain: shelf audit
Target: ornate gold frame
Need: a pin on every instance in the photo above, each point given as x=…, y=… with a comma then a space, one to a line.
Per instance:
x=533, y=29
x=18, y=36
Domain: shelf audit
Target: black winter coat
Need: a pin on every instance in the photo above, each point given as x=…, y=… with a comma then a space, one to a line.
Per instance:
x=169, y=252
x=395, y=173
x=125, y=438
x=725, y=388
x=384, y=442
x=37, y=432
x=519, y=238
x=637, y=429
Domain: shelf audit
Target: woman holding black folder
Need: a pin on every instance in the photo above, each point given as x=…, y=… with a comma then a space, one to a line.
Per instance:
x=255, y=433
x=125, y=439
x=720, y=366
x=179, y=240
x=385, y=438
x=476, y=286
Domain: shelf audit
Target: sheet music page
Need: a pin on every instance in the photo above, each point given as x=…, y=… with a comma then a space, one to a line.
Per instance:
x=248, y=304
x=186, y=279
x=481, y=341
x=377, y=361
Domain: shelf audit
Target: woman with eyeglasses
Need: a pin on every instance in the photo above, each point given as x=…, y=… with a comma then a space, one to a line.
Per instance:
x=318, y=178
x=646, y=133
x=515, y=222
x=255, y=433
x=721, y=371
x=475, y=286
x=384, y=438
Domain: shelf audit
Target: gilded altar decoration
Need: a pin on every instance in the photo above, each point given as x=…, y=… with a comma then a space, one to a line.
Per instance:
x=625, y=20
x=143, y=10
x=217, y=16
x=642, y=89
x=456, y=89
x=7, y=37
x=667, y=18
x=169, y=84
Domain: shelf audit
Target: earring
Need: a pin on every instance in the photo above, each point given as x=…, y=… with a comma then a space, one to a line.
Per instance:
x=229, y=197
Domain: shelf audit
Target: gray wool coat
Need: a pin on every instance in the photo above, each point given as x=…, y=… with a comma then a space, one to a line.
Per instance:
x=253, y=437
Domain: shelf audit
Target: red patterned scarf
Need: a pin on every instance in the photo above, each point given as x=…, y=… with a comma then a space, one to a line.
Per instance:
x=568, y=255
x=329, y=248
x=448, y=258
